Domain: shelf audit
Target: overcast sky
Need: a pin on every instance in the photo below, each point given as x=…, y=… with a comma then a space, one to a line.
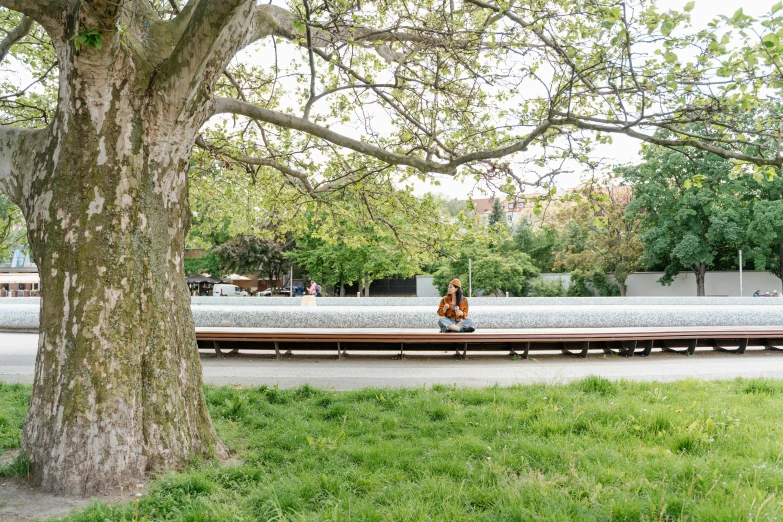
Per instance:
x=624, y=149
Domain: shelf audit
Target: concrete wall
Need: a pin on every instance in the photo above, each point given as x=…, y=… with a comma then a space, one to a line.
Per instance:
x=425, y=288
x=716, y=283
x=645, y=284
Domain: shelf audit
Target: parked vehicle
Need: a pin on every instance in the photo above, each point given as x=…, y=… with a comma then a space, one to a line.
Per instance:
x=298, y=290
x=265, y=293
x=228, y=290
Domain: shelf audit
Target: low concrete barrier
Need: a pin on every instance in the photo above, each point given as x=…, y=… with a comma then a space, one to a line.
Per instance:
x=22, y=314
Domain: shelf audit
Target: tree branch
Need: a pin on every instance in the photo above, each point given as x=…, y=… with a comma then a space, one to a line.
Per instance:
x=230, y=106
x=296, y=176
x=45, y=12
x=271, y=20
x=19, y=32
x=211, y=38
x=620, y=127
x=17, y=147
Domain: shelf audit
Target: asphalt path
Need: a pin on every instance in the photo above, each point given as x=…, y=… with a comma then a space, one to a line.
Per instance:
x=382, y=369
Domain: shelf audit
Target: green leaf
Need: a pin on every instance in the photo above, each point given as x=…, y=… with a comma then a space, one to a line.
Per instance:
x=670, y=57
x=770, y=41
x=666, y=28
x=89, y=38
x=777, y=7
x=689, y=6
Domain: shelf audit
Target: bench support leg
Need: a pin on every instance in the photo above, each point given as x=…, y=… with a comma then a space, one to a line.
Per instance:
x=218, y=353
x=339, y=353
x=770, y=345
x=465, y=351
x=402, y=355
x=682, y=351
x=648, y=346
x=277, y=351
x=514, y=353
x=740, y=349
x=581, y=353
x=626, y=348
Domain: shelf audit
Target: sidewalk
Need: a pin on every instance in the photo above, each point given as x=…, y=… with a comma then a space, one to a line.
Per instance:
x=17, y=364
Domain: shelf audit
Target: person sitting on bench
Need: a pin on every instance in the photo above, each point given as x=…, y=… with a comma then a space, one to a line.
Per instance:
x=453, y=310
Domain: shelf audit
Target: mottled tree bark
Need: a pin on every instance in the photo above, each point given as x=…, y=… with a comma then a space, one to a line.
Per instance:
x=118, y=387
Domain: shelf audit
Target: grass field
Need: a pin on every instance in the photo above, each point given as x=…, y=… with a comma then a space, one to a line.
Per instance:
x=591, y=450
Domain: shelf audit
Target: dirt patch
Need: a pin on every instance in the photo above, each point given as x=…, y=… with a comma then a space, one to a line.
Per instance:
x=20, y=502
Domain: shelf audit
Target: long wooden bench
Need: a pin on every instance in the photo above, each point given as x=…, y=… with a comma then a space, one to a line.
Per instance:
x=571, y=341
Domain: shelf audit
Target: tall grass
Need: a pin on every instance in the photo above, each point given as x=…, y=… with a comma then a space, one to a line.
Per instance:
x=591, y=450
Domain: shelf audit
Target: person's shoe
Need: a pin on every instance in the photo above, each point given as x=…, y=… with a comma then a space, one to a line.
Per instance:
x=469, y=329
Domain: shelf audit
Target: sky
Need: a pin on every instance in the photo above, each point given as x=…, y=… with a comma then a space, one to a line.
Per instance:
x=624, y=150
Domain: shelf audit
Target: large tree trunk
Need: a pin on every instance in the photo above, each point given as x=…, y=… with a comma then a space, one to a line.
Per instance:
x=118, y=387
x=700, y=269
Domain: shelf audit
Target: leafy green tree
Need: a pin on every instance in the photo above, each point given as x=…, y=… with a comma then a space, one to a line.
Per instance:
x=206, y=264
x=599, y=237
x=12, y=229
x=496, y=269
x=547, y=288
x=497, y=274
x=677, y=197
x=352, y=243
x=539, y=243
x=247, y=254
x=97, y=157
x=765, y=231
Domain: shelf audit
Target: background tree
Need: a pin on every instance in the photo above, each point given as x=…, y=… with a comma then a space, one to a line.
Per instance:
x=498, y=215
x=97, y=159
x=496, y=274
x=12, y=230
x=352, y=242
x=248, y=254
x=677, y=196
x=537, y=242
x=498, y=266
x=765, y=199
x=598, y=236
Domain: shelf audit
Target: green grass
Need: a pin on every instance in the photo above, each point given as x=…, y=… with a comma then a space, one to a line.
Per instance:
x=14, y=399
x=591, y=450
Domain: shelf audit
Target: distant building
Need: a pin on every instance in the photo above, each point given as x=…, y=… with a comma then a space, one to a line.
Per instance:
x=520, y=209
x=20, y=276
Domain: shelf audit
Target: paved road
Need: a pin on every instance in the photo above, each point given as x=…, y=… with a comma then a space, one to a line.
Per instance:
x=17, y=364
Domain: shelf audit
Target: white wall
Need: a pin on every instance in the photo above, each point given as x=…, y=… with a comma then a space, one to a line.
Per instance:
x=645, y=284
x=716, y=283
x=425, y=288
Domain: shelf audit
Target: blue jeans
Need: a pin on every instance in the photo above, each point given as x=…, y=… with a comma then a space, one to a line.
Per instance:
x=445, y=322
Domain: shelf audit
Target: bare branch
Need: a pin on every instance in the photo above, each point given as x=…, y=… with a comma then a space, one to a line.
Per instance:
x=620, y=127
x=298, y=177
x=271, y=20
x=19, y=32
x=174, y=6
x=226, y=105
